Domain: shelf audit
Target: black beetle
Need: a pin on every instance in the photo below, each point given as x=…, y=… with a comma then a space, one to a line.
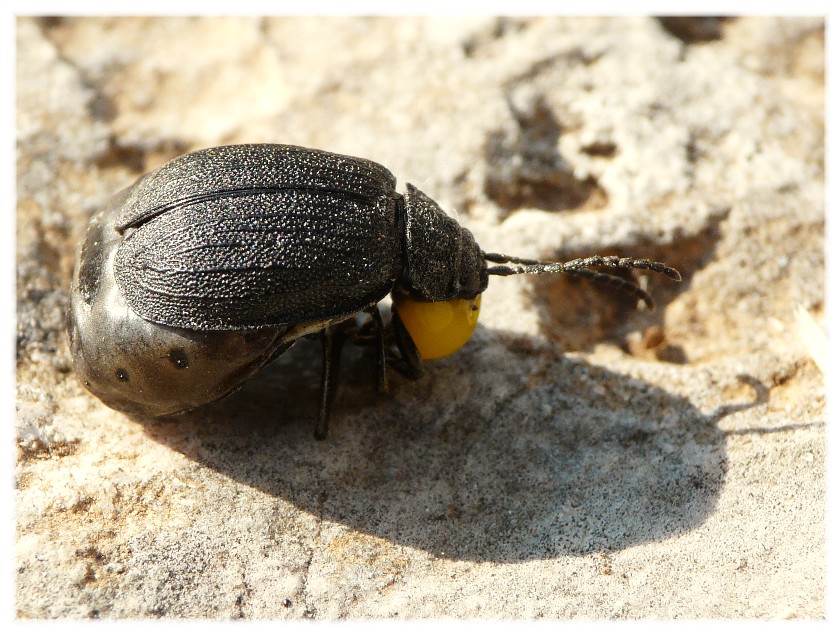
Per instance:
x=205, y=270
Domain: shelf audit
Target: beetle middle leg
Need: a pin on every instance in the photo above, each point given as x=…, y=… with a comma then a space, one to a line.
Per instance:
x=373, y=333
x=381, y=368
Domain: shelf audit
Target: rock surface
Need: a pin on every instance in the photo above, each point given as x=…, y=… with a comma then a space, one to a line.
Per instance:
x=577, y=459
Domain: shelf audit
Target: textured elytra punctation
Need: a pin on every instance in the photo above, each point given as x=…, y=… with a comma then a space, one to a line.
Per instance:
x=248, y=236
x=228, y=170
x=261, y=259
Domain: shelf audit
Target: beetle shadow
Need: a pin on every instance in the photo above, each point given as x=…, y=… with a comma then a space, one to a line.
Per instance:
x=494, y=455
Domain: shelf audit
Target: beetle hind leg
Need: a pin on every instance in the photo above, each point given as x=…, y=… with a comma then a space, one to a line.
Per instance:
x=332, y=340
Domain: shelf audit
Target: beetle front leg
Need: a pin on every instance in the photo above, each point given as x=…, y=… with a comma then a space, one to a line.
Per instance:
x=332, y=340
x=410, y=365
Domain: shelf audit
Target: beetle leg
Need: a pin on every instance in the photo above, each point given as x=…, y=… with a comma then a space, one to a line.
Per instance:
x=410, y=365
x=332, y=339
x=379, y=333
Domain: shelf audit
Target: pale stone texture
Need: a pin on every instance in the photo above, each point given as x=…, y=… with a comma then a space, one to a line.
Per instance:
x=577, y=459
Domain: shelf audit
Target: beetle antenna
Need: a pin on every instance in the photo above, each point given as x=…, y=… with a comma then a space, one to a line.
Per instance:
x=579, y=268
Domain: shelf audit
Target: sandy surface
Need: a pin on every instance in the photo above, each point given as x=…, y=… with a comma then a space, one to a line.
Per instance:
x=577, y=459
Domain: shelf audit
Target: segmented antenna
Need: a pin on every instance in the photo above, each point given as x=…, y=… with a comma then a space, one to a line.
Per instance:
x=579, y=268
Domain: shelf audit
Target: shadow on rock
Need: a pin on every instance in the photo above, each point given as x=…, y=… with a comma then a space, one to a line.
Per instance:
x=492, y=456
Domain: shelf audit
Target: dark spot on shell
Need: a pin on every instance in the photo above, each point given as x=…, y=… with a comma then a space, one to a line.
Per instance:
x=122, y=374
x=178, y=358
